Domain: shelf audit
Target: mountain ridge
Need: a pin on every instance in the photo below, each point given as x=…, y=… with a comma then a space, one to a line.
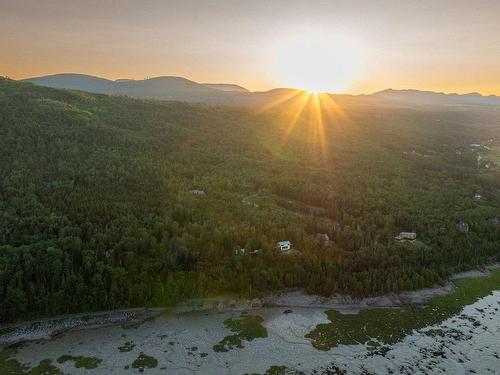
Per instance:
x=227, y=87
x=183, y=89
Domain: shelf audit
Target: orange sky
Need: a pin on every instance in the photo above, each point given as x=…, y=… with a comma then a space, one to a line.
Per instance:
x=451, y=46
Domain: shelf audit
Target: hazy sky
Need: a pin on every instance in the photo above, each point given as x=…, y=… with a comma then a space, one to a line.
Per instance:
x=447, y=45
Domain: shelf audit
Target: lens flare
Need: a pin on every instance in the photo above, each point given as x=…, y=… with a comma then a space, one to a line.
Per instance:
x=316, y=63
x=306, y=116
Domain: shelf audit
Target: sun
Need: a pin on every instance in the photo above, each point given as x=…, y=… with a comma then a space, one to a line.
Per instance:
x=316, y=62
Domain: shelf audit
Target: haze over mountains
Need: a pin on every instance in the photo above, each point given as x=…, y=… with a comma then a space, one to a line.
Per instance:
x=182, y=89
x=227, y=87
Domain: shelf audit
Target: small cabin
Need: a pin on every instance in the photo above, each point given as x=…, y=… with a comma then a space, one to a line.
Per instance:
x=477, y=196
x=283, y=246
x=198, y=192
x=463, y=227
x=406, y=236
x=239, y=251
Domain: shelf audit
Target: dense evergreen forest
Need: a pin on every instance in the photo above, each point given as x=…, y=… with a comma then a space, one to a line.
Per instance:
x=96, y=208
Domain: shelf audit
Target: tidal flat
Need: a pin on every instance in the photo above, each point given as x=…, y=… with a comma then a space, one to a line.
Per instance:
x=458, y=333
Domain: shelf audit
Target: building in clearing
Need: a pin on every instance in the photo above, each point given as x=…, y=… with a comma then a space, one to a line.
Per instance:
x=239, y=251
x=406, y=236
x=283, y=246
x=463, y=227
x=477, y=196
x=198, y=192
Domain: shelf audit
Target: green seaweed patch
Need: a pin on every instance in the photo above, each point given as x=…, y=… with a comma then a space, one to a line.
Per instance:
x=11, y=366
x=127, y=347
x=81, y=361
x=390, y=325
x=145, y=361
x=45, y=367
x=247, y=328
x=279, y=370
x=452, y=333
x=19, y=345
x=435, y=333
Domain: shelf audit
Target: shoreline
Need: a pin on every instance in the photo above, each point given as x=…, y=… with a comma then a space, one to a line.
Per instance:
x=48, y=328
x=341, y=303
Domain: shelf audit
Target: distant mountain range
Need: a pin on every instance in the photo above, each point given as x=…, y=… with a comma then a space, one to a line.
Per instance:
x=166, y=88
x=418, y=97
x=226, y=87
x=182, y=89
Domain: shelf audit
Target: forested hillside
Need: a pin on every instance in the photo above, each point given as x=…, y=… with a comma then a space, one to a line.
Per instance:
x=96, y=208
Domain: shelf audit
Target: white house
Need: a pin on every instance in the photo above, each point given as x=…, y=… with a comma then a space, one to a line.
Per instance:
x=463, y=227
x=283, y=246
x=198, y=192
x=406, y=236
x=239, y=251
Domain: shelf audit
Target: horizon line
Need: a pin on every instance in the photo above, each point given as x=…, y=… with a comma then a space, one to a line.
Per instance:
x=257, y=91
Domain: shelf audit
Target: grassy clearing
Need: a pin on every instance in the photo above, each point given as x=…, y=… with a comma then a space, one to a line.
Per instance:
x=392, y=325
x=145, y=361
x=247, y=328
x=80, y=361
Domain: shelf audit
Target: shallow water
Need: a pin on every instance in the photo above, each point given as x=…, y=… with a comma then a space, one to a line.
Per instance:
x=183, y=344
